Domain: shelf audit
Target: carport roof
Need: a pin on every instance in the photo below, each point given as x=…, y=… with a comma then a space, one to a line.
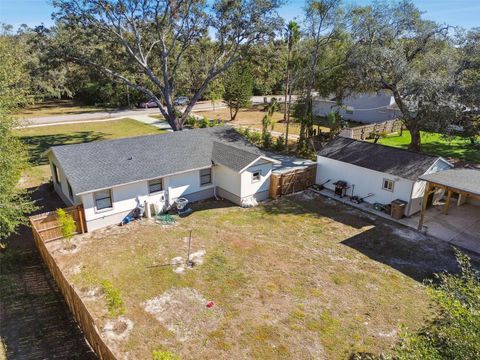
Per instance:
x=466, y=180
x=398, y=162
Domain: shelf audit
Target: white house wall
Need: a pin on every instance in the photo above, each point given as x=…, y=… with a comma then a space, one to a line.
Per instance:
x=366, y=181
x=62, y=188
x=227, y=182
x=366, y=108
x=188, y=185
x=258, y=188
x=124, y=198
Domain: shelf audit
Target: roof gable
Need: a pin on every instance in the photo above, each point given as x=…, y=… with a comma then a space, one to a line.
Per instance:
x=232, y=157
x=402, y=163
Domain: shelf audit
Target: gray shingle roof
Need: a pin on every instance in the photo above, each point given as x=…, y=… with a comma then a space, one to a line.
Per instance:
x=232, y=157
x=402, y=163
x=467, y=180
x=103, y=164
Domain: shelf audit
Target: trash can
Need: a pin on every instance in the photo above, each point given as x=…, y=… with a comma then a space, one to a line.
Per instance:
x=398, y=209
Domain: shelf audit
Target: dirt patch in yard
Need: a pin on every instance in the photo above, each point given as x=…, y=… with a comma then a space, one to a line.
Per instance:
x=184, y=312
x=299, y=277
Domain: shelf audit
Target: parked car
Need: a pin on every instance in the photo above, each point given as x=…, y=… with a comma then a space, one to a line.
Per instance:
x=148, y=104
x=181, y=101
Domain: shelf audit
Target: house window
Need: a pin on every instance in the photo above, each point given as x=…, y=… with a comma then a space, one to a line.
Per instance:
x=206, y=176
x=388, y=185
x=103, y=199
x=155, y=186
x=56, y=174
x=256, y=176
x=70, y=191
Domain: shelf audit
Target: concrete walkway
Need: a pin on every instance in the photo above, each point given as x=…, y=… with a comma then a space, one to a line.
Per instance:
x=161, y=124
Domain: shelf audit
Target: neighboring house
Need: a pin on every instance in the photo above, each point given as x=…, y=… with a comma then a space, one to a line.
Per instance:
x=110, y=178
x=386, y=172
x=365, y=108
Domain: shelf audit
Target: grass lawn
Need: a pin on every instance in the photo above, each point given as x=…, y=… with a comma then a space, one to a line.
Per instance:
x=434, y=143
x=301, y=277
x=252, y=117
x=56, y=107
x=39, y=139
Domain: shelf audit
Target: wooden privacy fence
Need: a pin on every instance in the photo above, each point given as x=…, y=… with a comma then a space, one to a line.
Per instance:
x=364, y=131
x=292, y=181
x=49, y=228
x=76, y=305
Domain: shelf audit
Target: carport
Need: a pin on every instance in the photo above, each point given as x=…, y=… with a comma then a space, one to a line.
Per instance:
x=464, y=182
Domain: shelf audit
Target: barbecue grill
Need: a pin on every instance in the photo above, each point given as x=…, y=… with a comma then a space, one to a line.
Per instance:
x=341, y=188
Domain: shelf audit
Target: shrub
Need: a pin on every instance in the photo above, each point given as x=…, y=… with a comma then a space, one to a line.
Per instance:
x=67, y=224
x=280, y=143
x=164, y=355
x=255, y=137
x=190, y=121
x=114, y=301
x=455, y=332
x=267, y=140
x=204, y=123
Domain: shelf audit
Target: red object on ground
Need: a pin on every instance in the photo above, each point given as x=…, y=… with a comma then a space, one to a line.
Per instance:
x=210, y=304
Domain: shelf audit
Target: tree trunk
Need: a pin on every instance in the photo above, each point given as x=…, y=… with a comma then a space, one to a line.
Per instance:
x=416, y=141
x=233, y=114
x=286, y=110
x=175, y=123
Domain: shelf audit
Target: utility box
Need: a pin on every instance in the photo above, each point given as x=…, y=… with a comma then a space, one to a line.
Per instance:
x=398, y=208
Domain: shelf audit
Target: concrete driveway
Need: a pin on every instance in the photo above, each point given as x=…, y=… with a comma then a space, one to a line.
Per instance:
x=460, y=227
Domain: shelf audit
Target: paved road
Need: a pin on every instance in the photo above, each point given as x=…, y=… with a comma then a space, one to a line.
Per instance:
x=117, y=114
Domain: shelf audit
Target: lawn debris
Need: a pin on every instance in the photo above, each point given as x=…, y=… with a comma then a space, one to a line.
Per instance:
x=196, y=258
x=118, y=329
x=165, y=219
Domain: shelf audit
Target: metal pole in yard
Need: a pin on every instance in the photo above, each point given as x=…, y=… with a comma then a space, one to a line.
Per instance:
x=188, y=253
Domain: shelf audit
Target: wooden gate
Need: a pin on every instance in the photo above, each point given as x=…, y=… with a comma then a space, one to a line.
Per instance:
x=292, y=181
x=48, y=227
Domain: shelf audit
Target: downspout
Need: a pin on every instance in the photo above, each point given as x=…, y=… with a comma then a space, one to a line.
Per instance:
x=213, y=181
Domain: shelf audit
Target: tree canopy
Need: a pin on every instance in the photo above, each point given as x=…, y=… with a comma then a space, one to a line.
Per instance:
x=156, y=37
x=14, y=202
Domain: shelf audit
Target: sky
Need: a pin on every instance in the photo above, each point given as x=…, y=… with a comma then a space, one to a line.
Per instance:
x=464, y=13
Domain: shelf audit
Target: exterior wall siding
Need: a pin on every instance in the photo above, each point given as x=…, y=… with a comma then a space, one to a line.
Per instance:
x=62, y=188
x=366, y=181
x=126, y=197
x=248, y=187
x=184, y=184
x=229, y=181
x=371, y=101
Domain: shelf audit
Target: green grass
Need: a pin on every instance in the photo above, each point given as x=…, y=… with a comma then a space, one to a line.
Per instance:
x=39, y=139
x=454, y=147
x=57, y=107
x=281, y=287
